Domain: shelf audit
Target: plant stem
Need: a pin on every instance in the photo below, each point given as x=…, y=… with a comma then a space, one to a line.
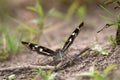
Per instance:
x=118, y=35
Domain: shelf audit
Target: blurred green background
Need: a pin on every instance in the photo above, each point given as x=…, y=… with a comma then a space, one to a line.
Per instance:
x=25, y=19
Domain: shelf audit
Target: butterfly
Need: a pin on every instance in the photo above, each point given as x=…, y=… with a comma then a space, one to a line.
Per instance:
x=59, y=52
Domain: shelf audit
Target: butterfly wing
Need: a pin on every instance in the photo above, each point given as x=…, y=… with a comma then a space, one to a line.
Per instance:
x=39, y=49
x=72, y=37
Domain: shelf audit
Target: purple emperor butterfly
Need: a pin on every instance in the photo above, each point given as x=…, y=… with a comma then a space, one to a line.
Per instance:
x=58, y=52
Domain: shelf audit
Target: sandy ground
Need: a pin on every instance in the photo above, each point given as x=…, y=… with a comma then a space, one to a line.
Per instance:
x=55, y=37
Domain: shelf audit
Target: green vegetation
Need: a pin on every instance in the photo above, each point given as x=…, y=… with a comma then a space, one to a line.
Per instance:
x=74, y=8
x=81, y=12
x=29, y=32
x=11, y=77
x=115, y=20
x=98, y=75
x=112, y=40
x=11, y=38
x=46, y=75
x=8, y=43
x=41, y=16
x=99, y=49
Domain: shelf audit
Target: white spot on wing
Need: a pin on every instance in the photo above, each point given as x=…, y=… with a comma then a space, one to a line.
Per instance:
x=40, y=49
x=73, y=33
x=47, y=53
x=70, y=39
x=36, y=46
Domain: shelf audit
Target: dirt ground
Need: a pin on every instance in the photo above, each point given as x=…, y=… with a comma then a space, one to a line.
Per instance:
x=55, y=36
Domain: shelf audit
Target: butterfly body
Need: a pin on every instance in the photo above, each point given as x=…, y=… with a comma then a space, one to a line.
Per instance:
x=59, y=53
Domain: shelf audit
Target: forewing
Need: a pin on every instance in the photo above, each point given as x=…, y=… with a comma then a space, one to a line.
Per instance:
x=72, y=37
x=39, y=49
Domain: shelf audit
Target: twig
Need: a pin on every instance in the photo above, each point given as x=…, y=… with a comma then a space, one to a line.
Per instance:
x=84, y=50
x=26, y=67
